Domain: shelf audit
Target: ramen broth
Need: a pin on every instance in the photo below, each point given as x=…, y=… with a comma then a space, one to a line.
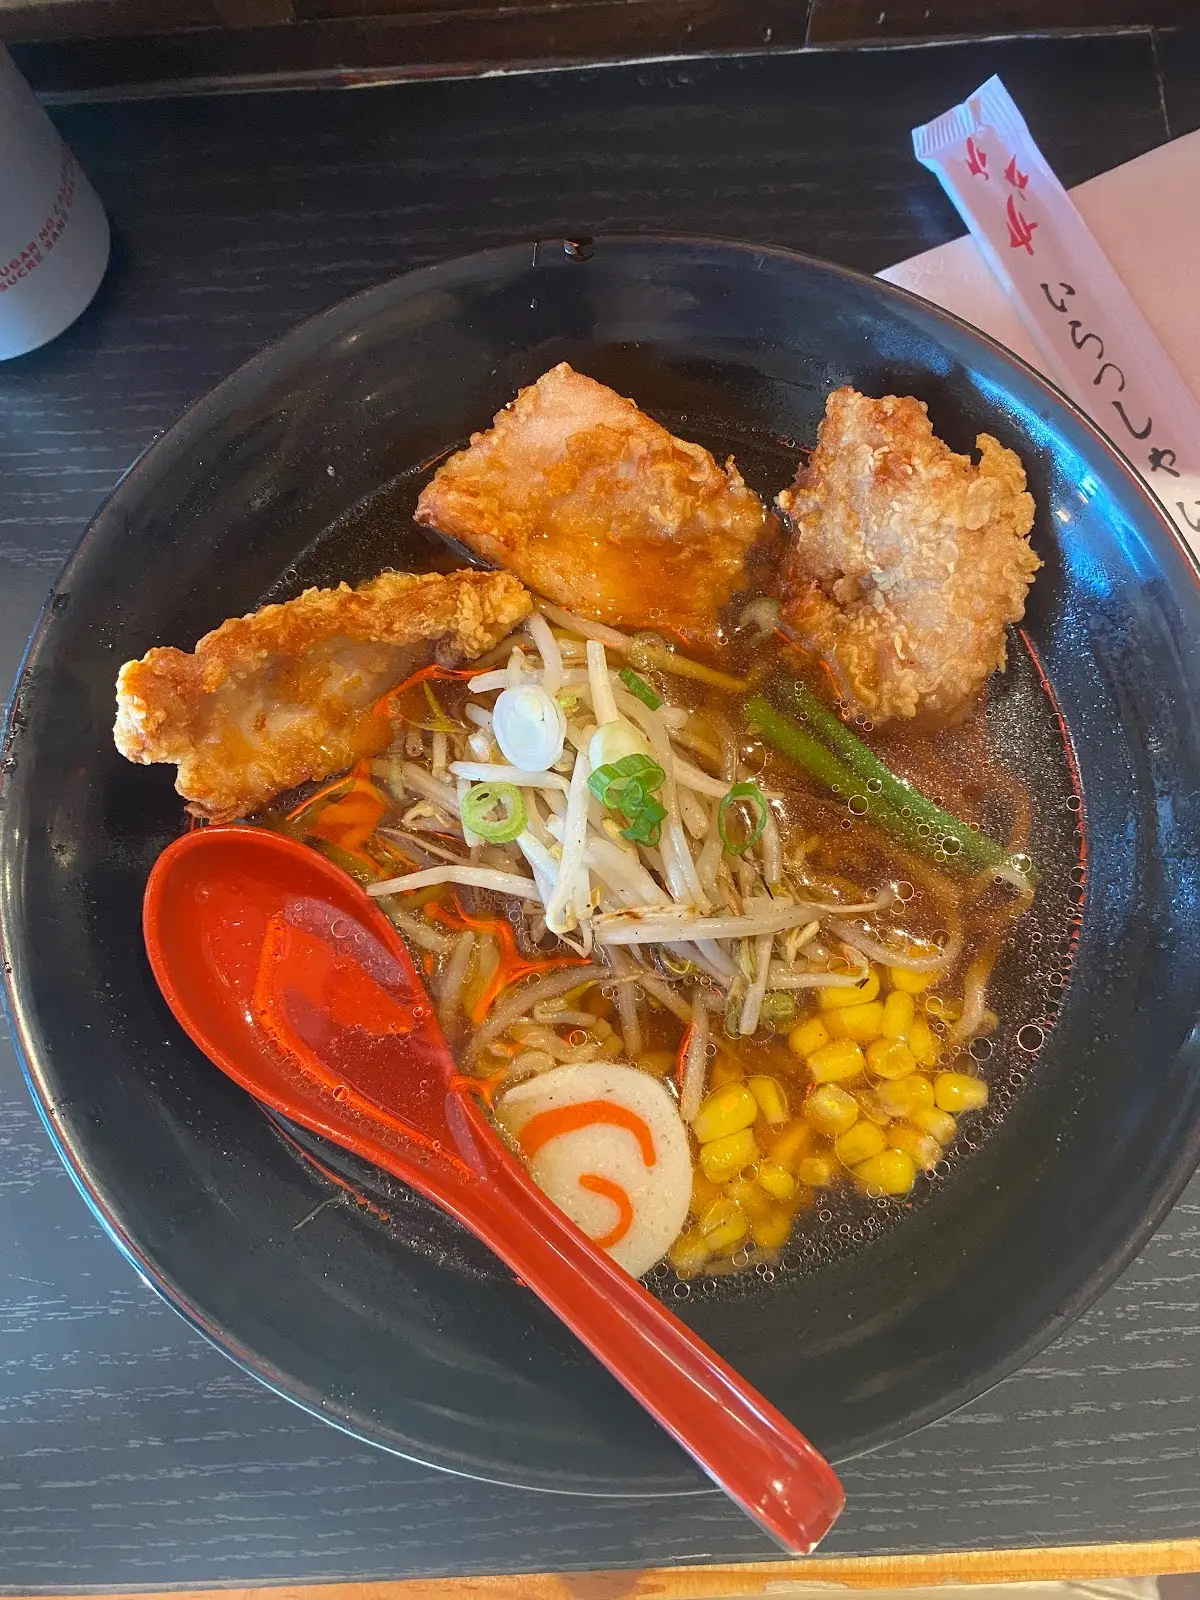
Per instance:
x=834, y=1155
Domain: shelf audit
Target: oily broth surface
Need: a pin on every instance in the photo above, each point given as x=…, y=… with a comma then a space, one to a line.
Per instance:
x=1018, y=730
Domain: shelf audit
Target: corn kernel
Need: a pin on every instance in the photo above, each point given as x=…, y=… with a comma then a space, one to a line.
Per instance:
x=902, y=1097
x=777, y=1180
x=910, y=982
x=891, y=1172
x=833, y=1024
x=724, y=1110
x=816, y=1171
x=658, y=1063
x=836, y=1061
x=724, y=1070
x=808, y=1036
x=871, y=1107
x=724, y=1158
x=831, y=1110
x=939, y=1125
x=858, y=1143
x=898, y=1011
x=955, y=1091
x=861, y=1022
x=704, y=1192
x=890, y=1058
x=723, y=1224
x=925, y=1151
x=923, y=1043
x=771, y=1232
x=849, y=994
x=689, y=1253
x=748, y=1194
x=772, y=1101
x=791, y=1143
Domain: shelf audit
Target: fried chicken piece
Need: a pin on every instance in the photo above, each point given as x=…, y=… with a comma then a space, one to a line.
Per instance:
x=597, y=507
x=906, y=560
x=290, y=692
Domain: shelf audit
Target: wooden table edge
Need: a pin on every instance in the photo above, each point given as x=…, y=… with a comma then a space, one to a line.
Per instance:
x=773, y=1580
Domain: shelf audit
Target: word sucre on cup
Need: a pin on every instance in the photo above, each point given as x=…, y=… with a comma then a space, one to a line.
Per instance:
x=54, y=237
x=50, y=232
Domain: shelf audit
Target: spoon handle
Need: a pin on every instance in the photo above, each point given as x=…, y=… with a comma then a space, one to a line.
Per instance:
x=743, y=1443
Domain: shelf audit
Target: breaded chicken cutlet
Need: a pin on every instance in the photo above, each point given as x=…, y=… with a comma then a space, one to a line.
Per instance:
x=597, y=507
x=906, y=560
x=290, y=692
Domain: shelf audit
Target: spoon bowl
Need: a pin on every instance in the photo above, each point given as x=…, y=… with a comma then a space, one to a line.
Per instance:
x=294, y=983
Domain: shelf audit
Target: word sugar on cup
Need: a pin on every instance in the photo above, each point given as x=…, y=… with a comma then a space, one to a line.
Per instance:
x=1097, y=345
x=53, y=232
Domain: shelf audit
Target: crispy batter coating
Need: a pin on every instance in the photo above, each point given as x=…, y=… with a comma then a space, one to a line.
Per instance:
x=288, y=693
x=906, y=560
x=599, y=508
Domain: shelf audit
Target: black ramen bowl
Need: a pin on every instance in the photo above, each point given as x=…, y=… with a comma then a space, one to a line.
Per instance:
x=375, y=1311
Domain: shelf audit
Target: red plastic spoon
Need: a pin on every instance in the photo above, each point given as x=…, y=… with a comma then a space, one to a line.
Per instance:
x=294, y=983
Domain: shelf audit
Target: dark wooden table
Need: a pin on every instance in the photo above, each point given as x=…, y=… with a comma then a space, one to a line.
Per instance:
x=131, y=1452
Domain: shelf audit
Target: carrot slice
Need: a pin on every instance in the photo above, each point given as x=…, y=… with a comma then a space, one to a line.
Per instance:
x=547, y=1125
x=614, y=1192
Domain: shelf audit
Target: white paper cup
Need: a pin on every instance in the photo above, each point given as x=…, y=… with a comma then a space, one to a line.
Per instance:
x=53, y=232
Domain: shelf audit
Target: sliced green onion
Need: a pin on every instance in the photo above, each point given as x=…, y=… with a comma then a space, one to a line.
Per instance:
x=778, y=1010
x=607, y=781
x=753, y=795
x=646, y=826
x=639, y=687
x=480, y=803
x=628, y=786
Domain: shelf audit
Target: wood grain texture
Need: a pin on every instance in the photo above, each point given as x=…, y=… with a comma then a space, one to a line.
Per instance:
x=459, y=36
x=92, y=19
x=757, y=1580
x=132, y=1454
x=874, y=21
x=832, y=21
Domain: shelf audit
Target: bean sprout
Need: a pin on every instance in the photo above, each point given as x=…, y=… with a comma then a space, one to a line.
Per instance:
x=471, y=877
x=543, y=638
x=498, y=772
x=518, y=1004
x=851, y=934
x=677, y=858
x=625, y=998
x=573, y=839
x=603, y=703
x=625, y=927
x=752, y=1005
x=429, y=788
x=976, y=1018
x=695, y=818
x=585, y=629
x=453, y=978
x=694, y=1061
x=418, y=931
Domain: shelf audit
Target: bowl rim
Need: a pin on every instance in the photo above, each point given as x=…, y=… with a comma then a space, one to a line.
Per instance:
x=295, y=344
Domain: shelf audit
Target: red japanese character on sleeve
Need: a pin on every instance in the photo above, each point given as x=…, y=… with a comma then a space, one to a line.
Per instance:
x=1015, y=176
x=977, y=161
x=1020, y=229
